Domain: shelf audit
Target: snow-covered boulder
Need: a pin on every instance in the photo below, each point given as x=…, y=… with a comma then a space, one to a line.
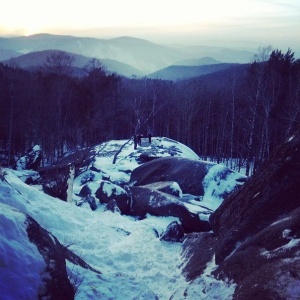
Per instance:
x=169, y=187
x=32, y=260
x=109, y=191
x=31, y=160
x=174, y=233
x=147, y=201
x=193, y=176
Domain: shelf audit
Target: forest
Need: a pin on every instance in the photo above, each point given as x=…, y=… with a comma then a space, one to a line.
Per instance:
x=235, y=116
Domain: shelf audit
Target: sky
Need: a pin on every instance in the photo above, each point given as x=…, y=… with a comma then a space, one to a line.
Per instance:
x=233, y=22
x=135, y=264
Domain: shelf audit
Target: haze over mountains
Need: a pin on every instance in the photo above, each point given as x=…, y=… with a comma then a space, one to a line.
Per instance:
x=126, y=56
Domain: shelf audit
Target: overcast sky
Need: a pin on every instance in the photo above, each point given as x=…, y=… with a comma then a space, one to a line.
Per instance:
x=244, y=23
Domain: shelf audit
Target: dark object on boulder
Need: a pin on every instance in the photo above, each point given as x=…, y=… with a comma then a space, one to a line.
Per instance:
x=173, y=233
x=146, y=201
x=145, y=157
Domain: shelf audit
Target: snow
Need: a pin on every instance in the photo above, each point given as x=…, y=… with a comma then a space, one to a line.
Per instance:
x=275, y=252
x=206, y=287
x=133, y=261
x=215, y=186
x=18, y=282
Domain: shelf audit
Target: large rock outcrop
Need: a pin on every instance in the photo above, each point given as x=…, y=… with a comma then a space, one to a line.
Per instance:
x=32, y=260
x=145, y=200
x=256, y=232
x=188, y=173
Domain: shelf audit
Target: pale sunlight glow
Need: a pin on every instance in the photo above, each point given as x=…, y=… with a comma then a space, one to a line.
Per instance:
x=149, y=18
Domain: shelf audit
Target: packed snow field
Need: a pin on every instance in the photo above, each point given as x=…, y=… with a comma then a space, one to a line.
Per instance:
x=134, y=263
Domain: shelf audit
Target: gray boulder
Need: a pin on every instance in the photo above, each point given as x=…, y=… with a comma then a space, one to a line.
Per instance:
x=188, y=173
x=147, y=201
x=109, y=191
x=169, y=187
x=174, y=233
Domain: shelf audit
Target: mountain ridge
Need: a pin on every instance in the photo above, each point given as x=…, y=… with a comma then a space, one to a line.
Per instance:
x=139, y=53
x=33, y=60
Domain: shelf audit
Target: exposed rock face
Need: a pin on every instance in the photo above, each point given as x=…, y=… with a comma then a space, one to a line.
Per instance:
x=56, y=279
x=256, y=232
x=145, y=201
x=186, y=172
x=198, y=249
x=270, y=194
x=32, y=260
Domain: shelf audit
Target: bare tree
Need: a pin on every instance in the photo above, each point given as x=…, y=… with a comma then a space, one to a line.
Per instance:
x=60, y=62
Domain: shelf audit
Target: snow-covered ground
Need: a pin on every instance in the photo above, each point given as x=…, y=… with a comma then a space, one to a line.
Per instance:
x=133, y=261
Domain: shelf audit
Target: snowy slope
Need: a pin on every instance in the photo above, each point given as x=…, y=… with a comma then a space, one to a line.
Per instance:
x=133, y=261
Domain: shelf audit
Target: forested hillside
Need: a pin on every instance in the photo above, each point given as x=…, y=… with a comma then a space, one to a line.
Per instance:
x=242, y=112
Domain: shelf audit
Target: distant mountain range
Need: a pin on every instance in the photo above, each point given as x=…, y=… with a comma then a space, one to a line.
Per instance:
x=36, y=60
x=183, y=72
x=126, y=56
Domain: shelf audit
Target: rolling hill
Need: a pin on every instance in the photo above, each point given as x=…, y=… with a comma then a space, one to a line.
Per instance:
x=36, y=60
x=140, y=54
x=176, y=73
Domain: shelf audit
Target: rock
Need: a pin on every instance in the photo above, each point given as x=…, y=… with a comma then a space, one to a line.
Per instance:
x=31, y=160
x=86, y=177
x=197, y=250
x=85, y=190
x=91, y=201
x=169, y=187
x=173, y=233
x=87, y=199
x=188, y=173
x=146, y=201
x=109, y=191
x=268, y=195
x=276, y=243
x=33, y=257
x=278, y=280
x=256, y=232
x=145, y=157
x=56, y=279
x=113, y=206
